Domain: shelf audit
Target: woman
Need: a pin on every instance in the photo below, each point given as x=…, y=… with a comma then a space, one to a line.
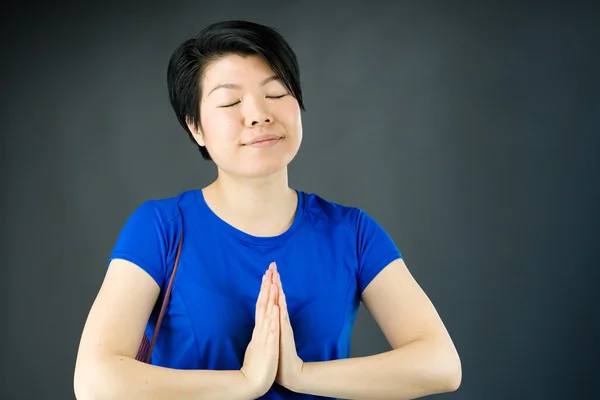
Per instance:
x=269, y=278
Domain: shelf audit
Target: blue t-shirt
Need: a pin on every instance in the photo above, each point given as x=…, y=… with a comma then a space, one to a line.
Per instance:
x=326, y=258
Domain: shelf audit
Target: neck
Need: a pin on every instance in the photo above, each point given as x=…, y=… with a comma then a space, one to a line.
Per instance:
x=263, y=207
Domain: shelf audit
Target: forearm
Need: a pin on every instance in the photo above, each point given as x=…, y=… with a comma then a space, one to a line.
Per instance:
x=417, y=369
x=119, y=377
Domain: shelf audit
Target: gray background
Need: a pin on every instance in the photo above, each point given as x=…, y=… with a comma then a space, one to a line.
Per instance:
x=469, y=130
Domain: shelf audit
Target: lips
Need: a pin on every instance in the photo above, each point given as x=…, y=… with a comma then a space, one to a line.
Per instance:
x=263, y=138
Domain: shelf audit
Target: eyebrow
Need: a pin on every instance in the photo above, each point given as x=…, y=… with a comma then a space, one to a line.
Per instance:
x=238, y=87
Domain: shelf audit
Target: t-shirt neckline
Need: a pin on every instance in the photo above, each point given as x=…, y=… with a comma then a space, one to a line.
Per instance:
x=246, y=237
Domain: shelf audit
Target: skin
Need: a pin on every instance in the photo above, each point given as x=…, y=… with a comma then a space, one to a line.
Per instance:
x=251, y=192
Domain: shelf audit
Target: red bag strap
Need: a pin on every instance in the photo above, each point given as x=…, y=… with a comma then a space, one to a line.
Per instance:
x=166, y=299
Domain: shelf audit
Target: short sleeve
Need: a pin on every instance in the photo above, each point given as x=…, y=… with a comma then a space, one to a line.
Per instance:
x=146, y=240
x=376, y=249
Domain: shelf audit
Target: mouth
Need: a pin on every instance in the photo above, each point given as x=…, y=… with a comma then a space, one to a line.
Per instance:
x=263, y=140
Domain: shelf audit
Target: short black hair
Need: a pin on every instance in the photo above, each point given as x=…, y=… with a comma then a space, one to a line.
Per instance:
x=189, y=61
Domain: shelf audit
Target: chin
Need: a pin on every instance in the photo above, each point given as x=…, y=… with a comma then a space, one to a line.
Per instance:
x=258, y=166
x=264, y=171
x=264, y=167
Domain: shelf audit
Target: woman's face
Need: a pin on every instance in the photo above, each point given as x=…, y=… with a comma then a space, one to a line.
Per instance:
x=251, y=125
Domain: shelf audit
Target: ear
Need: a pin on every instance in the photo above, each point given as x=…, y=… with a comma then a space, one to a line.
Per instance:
x=196, y=132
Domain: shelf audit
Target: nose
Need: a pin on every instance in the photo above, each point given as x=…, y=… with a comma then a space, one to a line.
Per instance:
x=257, y=113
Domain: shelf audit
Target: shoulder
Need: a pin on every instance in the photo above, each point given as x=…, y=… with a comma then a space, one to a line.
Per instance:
x=332, y=212
x=167, y=209
x=355, y=218
x=150, y=236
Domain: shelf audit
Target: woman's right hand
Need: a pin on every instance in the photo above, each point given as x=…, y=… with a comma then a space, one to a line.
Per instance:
x=262, y=354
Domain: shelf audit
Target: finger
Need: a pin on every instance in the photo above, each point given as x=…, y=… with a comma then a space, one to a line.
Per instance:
x=269, y=275
x=270, y=304
x=260, y=308
x=273, y=333
x=268, y=320
x=272, y=269
x=261, y=301
x=278, y=279
x=263, y=293
x=281, y=294
x=284, y=320
x=272, y=281
x=282, y=301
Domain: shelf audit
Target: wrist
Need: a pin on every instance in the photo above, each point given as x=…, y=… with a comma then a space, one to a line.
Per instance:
x=297, y=383
x=249, y=389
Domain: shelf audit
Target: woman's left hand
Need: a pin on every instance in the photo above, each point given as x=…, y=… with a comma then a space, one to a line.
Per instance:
x=290, y=364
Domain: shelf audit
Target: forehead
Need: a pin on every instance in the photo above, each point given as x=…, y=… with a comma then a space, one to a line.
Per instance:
x=235, y=69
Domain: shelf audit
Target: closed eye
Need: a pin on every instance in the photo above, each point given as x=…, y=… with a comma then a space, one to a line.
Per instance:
x=268, y=97
x=230, y=105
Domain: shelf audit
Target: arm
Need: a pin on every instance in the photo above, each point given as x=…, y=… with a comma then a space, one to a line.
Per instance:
x=423, y=360
x=106, y=367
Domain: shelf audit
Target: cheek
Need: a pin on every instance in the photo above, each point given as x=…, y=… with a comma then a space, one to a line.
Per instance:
x=219, y=129
x=290, y=116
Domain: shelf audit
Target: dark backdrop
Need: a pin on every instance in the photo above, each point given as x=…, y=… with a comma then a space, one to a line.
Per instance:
x=469, y=130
